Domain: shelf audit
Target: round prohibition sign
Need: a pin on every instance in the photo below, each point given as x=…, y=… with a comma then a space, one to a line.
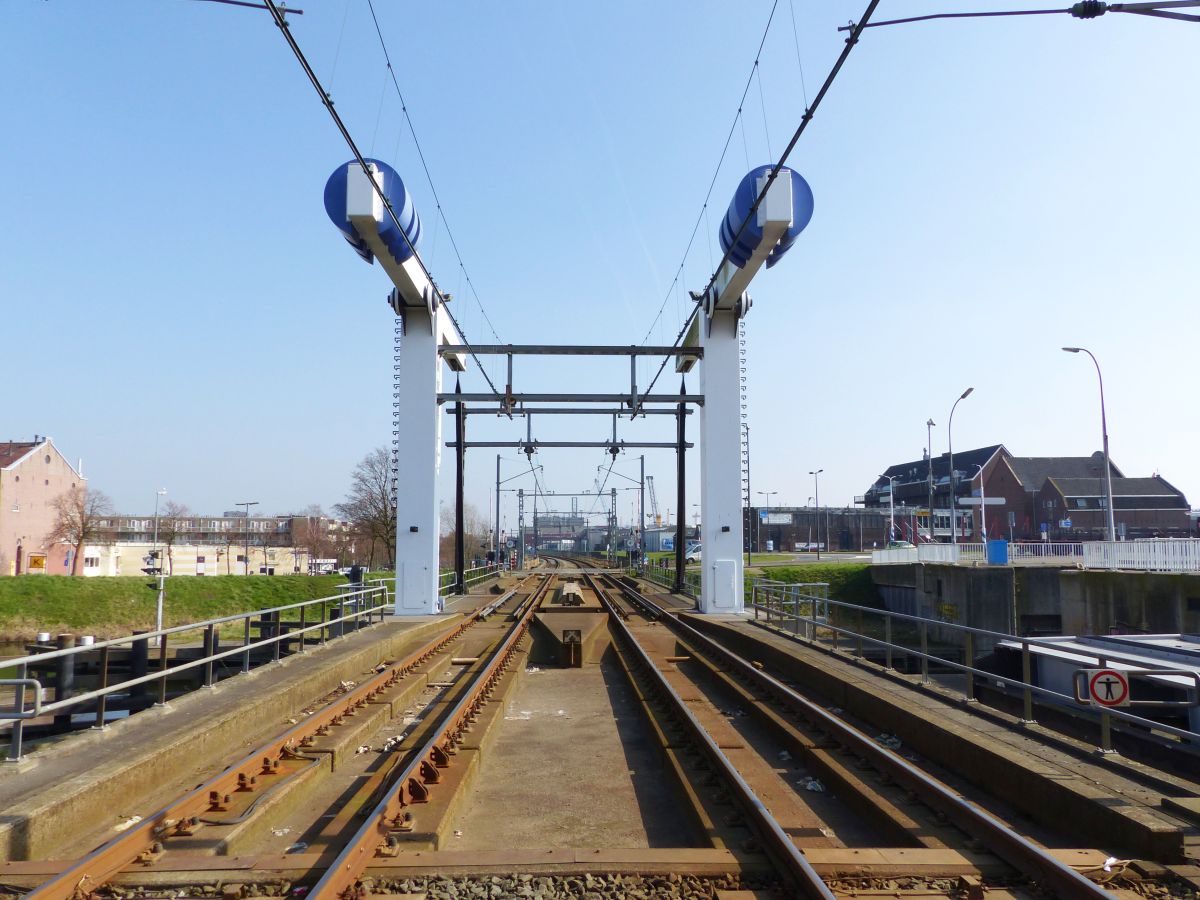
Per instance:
x=1108, y=687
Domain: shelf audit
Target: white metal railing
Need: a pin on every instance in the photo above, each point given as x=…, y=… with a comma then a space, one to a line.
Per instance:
x=317, y=620
x=1152, y=555
x=828, y=623
x=471, y=577
x=1155, y=555
x=1045, y=551
x=895, y=555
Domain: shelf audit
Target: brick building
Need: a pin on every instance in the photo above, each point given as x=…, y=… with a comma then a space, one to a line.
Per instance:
x=32, y=474
x=1043, y=498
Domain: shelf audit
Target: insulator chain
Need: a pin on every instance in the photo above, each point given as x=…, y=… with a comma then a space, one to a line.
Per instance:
x=397, y=333
x=745, y=436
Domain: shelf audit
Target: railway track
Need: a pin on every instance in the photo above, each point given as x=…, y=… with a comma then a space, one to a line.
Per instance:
x=780, y=706
x=230, y=795
x=755, y=788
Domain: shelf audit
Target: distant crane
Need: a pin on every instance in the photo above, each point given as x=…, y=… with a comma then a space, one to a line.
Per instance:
x=653, y=500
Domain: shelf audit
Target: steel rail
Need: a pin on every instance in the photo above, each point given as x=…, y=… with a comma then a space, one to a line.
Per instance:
x=342, y=880
x=102, y=864
x=1016, y=850
x=779, y=844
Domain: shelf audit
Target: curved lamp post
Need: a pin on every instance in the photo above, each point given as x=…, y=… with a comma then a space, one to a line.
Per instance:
x=950, y=443
x=817, y=496
x=1112, y=528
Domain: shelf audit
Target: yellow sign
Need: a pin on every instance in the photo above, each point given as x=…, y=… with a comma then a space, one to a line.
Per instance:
x=37, y=563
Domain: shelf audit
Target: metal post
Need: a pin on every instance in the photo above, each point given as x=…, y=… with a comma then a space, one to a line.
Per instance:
x=817, y=499
x=969, y=659
x=64, y=681
x=1027, y=678
x=521, y=528
x=246, y=644
x=929, y=457
x=950, y=446
x=300, y=646
x=101, y=701
x=210, y=647
x=18, y=726
x=924, y=652
x=460, y=459
x=680, y=491
x=496, y=535
x=642, y=514
x=887, y=639
x=162, y=670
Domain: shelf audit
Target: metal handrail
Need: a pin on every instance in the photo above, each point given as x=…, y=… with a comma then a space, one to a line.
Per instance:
x=359, y=601
x=1191, y=739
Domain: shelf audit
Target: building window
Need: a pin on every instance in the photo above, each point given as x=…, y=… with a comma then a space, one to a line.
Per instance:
x=18, y=478
x=47, y=459
x=47, y=482
x=240, y=558
x=91, y=562
x=199, y=559
x=1081, y=502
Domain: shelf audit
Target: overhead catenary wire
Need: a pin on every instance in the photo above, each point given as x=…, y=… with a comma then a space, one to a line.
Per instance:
x=716, y=174
x=428, y=177
x=327, y=102
x=809, y=112
x=1086, y=9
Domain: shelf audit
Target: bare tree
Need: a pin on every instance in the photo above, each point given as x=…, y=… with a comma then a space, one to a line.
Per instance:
x=371, y=503
x=78, y=513
x=477, y=531
x=172, y=522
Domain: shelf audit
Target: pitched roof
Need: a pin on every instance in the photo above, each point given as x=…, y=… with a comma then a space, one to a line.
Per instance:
x=12, y=451
x=918, y=470
x=1122, y=487
x=1032, y=471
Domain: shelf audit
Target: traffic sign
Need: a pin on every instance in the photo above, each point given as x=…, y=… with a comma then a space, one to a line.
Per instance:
x=1108, y=687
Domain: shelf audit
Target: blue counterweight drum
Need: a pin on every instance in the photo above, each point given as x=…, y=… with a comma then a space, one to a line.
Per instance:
x=752, y=235
x=393, y=189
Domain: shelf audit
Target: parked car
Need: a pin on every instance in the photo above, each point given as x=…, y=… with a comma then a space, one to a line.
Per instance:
x=900, y=545
x=692, y=554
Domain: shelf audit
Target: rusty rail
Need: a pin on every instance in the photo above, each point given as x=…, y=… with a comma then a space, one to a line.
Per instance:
x=342, y=880
x=256, y=771
x=778, y=844
x=1016, y=850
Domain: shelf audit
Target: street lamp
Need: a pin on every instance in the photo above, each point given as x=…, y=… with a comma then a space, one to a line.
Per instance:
x=246, y=558
x=159, y=494
x=891, y=506
x=758, y=525
x=929, y=458
x=1112, y=528
x=817, y=496
x=950, y=443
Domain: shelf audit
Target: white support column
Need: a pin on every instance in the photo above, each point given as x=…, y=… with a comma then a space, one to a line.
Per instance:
x=417, y=481
x=722, y=586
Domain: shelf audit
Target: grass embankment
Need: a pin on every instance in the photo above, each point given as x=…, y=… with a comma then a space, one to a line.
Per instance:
x=848, y=582
x=109, y=607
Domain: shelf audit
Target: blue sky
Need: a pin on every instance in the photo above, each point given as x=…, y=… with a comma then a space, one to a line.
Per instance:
x=180, y=313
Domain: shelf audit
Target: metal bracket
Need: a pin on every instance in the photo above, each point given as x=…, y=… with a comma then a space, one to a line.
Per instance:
x=22, y=713
x=1079, y=679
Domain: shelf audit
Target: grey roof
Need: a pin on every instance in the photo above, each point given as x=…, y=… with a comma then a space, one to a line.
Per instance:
x=1122, y=487
x=12, y=451
x=917, y=470
x=1032, y=471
